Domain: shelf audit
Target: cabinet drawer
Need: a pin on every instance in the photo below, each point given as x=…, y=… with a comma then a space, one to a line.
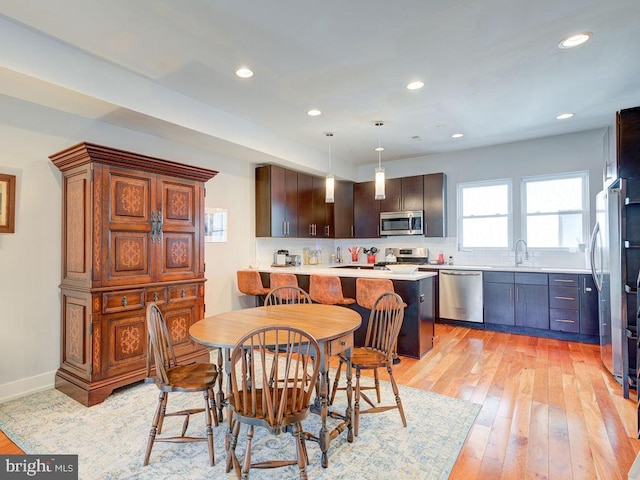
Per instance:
x=179, y=293
x=498, y=277
x=122, y=300
x=564, y=320
x=564, y=297
x=157, y=295
x=563, y=280
x=339, y=345
x=526, y=278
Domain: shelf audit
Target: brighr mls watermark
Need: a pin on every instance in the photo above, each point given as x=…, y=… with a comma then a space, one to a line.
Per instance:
x=49, y=467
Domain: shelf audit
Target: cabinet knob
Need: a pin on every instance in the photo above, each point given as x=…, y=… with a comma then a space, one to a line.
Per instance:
x=155, y=296
x=124, y=301
x=183, y=293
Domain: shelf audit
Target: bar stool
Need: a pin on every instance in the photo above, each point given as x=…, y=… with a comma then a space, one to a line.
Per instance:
x=368, y=290
x=282, y=280
x=250, y=283
x=327, y=289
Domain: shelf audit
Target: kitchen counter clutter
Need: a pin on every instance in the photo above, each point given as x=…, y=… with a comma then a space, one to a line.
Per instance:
x=353, y=270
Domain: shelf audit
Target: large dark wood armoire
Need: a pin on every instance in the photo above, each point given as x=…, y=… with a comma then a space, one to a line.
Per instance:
x=132, y=233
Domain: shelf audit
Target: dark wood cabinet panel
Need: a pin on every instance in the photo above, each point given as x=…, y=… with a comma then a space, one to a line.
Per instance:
x=402, y=194
x=132, y=234
x=413, y=193
x=366, y=211
x=276, y=202
x=435, y=205
x=392, y=195
x=340, y=213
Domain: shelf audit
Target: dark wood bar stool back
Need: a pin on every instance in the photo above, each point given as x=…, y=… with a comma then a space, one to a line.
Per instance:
x=170, y=377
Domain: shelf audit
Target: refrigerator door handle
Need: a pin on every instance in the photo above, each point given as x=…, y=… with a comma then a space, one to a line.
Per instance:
x=592, y=246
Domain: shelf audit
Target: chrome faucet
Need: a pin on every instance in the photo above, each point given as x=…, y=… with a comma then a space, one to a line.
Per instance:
x=526, y=251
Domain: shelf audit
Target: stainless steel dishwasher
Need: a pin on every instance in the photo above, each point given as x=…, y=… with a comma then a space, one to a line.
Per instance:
x=461, y=295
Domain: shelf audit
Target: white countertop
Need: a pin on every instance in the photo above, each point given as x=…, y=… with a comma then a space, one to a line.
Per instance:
x=361, y=270
x=349, y=270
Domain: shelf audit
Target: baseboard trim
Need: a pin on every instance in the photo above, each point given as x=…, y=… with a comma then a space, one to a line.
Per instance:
x=26, y=386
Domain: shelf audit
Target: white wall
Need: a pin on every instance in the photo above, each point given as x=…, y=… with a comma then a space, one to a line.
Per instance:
x=30, y=258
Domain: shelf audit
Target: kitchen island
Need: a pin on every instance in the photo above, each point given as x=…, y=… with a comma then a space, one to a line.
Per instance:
x=416, y=289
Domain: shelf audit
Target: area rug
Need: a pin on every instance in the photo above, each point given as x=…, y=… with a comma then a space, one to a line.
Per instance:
x=110, y=438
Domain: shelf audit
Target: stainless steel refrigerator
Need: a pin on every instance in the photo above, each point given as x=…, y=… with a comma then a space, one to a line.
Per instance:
x=605, y=252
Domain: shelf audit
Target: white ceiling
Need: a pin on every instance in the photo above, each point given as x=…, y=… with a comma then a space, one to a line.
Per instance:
x=491, y=68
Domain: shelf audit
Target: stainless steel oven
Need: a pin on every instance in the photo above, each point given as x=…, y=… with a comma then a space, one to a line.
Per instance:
x=402, y=223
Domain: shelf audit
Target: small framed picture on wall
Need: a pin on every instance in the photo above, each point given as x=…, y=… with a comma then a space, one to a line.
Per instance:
x=7, y=203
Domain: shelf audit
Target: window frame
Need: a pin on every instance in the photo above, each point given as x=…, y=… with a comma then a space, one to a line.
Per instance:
x=460, y=187
x=585, y=212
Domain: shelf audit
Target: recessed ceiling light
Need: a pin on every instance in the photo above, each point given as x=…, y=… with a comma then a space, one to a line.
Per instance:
x=415, y=85
x=244, y=73
x=574, y=40
x=564, y=116
x=314, y=112
x=457, y=135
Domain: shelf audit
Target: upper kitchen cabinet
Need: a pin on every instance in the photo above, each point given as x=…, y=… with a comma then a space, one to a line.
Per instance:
x=312, y=209
x=340, y=213
x=276, y=202
x=403, y=194
x=628, y=142
x=435, y=205
x=366, y=211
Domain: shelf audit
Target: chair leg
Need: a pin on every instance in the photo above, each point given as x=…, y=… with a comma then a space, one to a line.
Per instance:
x=356, y=404
x=394, y=386
x=208, y=413
x=301, y=450
x=212, y=405
x=157, y=418
x=231, y=442
x=246, y=464
x=335, y=383
x=164, y=411
x=376, y=380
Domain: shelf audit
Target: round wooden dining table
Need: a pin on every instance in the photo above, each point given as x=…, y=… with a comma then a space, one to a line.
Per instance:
x=333, y=328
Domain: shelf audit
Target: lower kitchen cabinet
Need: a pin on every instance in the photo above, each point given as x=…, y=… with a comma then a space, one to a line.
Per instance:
x=532, y=300
x=559, y=305
x=498, y=298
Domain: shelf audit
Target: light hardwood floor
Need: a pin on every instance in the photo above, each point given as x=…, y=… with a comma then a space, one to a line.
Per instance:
x=549, y=408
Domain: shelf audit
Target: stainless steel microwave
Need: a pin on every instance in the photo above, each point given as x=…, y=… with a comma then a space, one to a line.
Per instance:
x=402, y=223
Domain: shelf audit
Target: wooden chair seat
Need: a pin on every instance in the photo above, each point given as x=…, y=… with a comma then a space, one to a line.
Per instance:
x=366, y=358
x=190, y=378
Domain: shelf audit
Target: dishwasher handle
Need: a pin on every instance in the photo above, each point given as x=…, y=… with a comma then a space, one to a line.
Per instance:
x=449, y=272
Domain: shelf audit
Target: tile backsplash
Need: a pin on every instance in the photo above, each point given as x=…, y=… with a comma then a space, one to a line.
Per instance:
x=266, y=247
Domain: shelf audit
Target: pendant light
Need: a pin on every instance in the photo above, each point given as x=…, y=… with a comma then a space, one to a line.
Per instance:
x=330, y=180
x=379, y=182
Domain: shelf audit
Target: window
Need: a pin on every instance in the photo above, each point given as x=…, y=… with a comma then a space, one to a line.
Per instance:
x=484, y=214
x=215, y=225
x=555, y=210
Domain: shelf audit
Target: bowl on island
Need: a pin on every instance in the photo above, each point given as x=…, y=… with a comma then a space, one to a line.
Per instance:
x=402, y=267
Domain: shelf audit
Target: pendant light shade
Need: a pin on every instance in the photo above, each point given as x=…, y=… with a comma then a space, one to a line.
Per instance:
x=379, y=179
x=330, y=180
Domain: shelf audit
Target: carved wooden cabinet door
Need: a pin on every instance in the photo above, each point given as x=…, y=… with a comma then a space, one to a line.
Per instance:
x=128, y=240
x=179, y=205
